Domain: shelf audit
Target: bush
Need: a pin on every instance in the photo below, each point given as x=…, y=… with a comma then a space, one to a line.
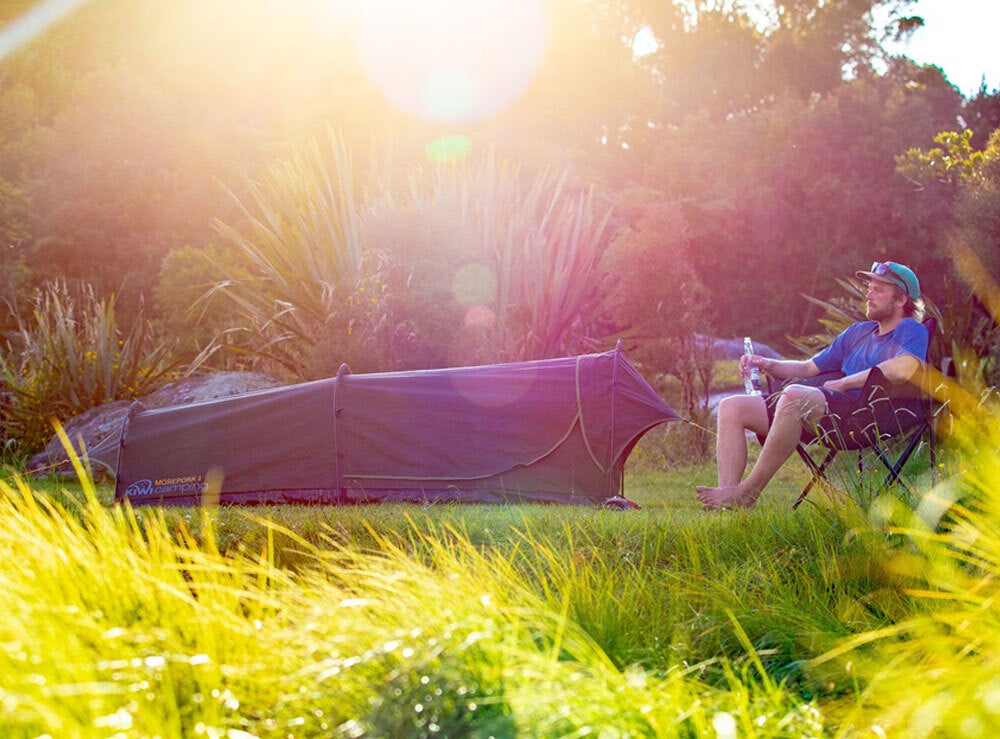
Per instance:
x=986, y=344
x=70, y=355
x=186, y=275
x=319, y=234
x=658, y=302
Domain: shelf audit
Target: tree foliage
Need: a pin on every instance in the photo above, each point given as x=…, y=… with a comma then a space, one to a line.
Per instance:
x=968, y=182
x=770, y=130
x=657, y=302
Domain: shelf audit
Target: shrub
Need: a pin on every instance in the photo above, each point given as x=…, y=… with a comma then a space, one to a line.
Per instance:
x=186, y=275
x=659, y=305
x=970, y=179
x=319, y=234
x=70, y=355
x=986, y=343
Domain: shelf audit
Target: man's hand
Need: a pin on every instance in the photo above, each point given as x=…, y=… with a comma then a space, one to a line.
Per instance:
x=758, y=361
x=781, y=369
x=837, y=385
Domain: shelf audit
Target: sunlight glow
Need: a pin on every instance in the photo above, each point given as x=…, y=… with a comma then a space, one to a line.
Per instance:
x=452, y=60
x=474, y=284
x=480, y=316
x=448, y=149
x=959, y=36
x=33, y=22
x=645, y=42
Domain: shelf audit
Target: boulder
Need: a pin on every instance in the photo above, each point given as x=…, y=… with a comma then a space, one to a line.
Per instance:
x=97, y=431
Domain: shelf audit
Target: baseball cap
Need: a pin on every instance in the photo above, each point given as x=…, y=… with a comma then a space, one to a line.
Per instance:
x=895, y=274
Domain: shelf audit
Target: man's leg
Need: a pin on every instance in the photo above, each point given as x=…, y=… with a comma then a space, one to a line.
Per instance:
x=799, y=406
x=737, y=415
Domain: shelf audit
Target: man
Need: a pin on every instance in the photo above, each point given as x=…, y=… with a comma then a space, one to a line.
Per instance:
x=892, y=339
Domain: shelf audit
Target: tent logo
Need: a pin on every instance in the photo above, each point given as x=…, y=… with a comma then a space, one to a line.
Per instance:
x=139, y=488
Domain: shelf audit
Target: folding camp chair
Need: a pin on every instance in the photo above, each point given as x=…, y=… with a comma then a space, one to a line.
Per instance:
x=890, y=411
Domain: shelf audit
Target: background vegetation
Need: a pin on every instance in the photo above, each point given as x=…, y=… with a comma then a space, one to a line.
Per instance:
x=241, y=182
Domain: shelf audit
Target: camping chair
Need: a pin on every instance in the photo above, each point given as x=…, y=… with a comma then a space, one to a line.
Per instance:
x=891, y=411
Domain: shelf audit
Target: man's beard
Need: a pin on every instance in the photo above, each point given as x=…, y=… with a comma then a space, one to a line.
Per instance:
x=876, y=313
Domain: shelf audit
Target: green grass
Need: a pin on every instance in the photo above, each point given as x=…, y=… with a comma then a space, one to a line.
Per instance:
x=405, y=620
x=726, y=375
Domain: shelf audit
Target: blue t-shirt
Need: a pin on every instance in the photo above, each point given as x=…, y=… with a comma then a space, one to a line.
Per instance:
x=859, y=347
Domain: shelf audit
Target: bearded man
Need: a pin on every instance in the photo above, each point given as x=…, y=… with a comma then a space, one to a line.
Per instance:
x=892, y=339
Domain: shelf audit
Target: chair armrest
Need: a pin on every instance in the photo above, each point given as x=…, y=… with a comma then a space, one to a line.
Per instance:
x=774, y=385
x=878, y=383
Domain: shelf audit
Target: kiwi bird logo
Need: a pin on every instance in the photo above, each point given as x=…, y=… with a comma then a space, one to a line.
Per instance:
x=139, y=488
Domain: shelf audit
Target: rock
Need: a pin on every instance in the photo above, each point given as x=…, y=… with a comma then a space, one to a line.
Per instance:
x=733, y=348
x=99, y=427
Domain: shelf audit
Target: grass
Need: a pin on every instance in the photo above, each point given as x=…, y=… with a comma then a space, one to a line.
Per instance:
x=725, y=377
x=423, y=620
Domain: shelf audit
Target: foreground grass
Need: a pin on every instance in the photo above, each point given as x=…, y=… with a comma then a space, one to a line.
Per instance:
x=461, y=620
x=109, y=625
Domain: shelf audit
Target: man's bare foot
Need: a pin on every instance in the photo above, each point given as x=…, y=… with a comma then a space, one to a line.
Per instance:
x=738, y=496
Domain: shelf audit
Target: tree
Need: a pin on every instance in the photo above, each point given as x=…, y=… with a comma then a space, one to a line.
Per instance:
x=981, y=114
x=784, y=201
x=655, y=299
x=117, y=187
x=968, y=181
x=728, y=58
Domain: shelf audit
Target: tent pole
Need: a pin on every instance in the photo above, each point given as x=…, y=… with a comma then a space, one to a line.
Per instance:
x=134, y=407
x=614, y=393
x=341, y=493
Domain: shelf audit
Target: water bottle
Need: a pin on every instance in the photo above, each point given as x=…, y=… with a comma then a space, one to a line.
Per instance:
x=752, y=381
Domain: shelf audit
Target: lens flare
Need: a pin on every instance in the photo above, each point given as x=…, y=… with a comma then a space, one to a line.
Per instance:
x=474, y=284
x=448, y=149
x=34, y=22
x=488, y=393
x=452, y=60
x=480, y=316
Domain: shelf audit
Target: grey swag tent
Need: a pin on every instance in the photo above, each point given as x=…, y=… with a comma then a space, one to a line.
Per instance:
x=555, y=430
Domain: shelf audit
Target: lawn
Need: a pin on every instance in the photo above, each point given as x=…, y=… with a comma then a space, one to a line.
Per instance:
x=451, y=619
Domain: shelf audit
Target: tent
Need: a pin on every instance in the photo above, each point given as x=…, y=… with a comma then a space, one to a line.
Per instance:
x=555, y=430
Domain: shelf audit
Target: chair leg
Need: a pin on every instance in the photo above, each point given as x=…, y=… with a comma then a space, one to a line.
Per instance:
x=817, y=472
x=895, y=468
x=930, y=443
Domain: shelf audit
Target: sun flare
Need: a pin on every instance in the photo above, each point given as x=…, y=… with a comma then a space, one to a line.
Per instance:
x=449, y=60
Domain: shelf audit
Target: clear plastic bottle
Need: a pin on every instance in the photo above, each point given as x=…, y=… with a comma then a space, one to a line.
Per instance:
x=752, y=381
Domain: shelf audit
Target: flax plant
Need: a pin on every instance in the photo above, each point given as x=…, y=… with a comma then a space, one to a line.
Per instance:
x=72, y=354
x=541, y=238
x=302, y=244
x=549, y=289
x=305, y=242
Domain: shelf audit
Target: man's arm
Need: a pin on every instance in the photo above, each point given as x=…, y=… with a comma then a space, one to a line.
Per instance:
x=783, y=369
x=898, y=369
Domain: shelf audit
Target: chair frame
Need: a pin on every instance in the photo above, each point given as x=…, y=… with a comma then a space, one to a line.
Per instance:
x=875, y=383
x=818, y=470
